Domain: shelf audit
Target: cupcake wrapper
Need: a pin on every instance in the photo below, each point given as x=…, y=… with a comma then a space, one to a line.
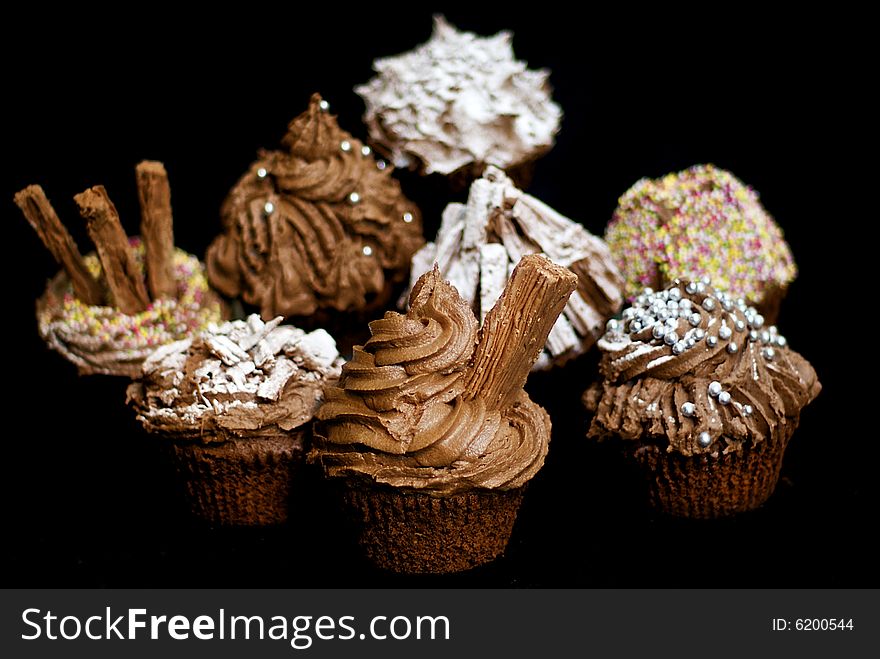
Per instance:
x=414, y=533
x=242, y=482
x=706, y=487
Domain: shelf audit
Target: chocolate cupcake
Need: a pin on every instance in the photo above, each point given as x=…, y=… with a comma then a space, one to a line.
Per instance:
x=702, y=397
x=430, y=432
x=109, y=311
x=319, y=231
x=480, y=242
x=233, y=407
x=458, y=103
x=702, y=222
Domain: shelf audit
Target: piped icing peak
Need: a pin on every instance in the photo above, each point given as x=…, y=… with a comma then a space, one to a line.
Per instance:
x=693, y=367
x=433, y=404
x=459, y=100
x=320, y=225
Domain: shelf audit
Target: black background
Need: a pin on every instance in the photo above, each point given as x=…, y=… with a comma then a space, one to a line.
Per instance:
x=87, y=501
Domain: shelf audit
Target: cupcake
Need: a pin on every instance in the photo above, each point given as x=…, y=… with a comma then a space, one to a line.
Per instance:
x=233, y=407
x=430, y=433
x=702, y=222
x=702, y=396
x=480, y=242
x=319, y=231
x=109, y=311
x=458, y=103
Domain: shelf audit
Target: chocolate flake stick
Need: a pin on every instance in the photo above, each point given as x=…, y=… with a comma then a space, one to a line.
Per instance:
x=120, y=270
x=157, y=230
x=516, y=329
x=42, y=217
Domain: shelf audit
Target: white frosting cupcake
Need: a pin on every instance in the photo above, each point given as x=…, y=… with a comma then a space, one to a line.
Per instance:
x=459, y=101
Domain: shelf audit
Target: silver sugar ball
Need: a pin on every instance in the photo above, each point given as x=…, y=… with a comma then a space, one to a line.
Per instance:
x=701, y=287
x=757, y=321
x=365, y=150
x=269, y=207
x=712, y=341
x=768, y=354
x=688, y=409
x=407, y=217
x=714, y=388
x=724, y=397
x=670, y=338
x=648, y=290
x=705, y=439
x=691, y=288
x=747, y=410
x=695, y=319
x=705, y=279
x=725, y=332
x=780, y=341
x=679, y=348
x=741, y=304
x=685, y=304
x=675, y=294
x=381, y=164
x=261, y=172
x=732, y=348
x=612, y=325
x=739, y=325
x=658, y=331
x=345, y=145
x=629, y=313
x=726, y=304
x=753, y=336
x=709, y=304
x=699, y=334
x=635, y=326
x=765, y=337
x=691, y=342
x=672, y=304
x=367, y=250
x=324, y=105
x=354, y=197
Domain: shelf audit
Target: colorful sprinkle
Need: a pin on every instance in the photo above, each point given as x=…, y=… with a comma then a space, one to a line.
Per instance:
x=700, y=222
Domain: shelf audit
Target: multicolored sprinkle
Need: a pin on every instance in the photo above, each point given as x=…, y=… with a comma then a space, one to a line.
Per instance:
x=700, y=222
x=162, y=322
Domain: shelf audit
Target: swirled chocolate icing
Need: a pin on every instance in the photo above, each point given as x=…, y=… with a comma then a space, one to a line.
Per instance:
x=238, y=379
x=401, y=415
x=320, y=225
x=697, y=370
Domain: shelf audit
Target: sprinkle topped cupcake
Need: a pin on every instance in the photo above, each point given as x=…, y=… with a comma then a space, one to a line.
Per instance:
x=109, y=311
x=459, y=102
x=703, y=395
x=320, y=225
x=701, y=222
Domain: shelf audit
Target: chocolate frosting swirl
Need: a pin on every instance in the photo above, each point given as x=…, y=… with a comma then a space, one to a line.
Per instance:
x=321, y=225
x=697, y=369
x=400, y=416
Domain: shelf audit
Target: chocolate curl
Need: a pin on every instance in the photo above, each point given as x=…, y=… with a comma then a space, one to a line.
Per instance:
x=42, y=217
x=122, y=274
x=516, y=329
x=157, y=229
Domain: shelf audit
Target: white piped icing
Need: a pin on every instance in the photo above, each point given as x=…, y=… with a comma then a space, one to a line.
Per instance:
x=459, y=100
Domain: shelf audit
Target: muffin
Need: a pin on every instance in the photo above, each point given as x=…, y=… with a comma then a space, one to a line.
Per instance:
x=430, y=434
x=458, y=103
x=109, y=311
x=233, y=408
x=702, y=396
x=318, y=232
x=480, y=242
x=702, y=222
